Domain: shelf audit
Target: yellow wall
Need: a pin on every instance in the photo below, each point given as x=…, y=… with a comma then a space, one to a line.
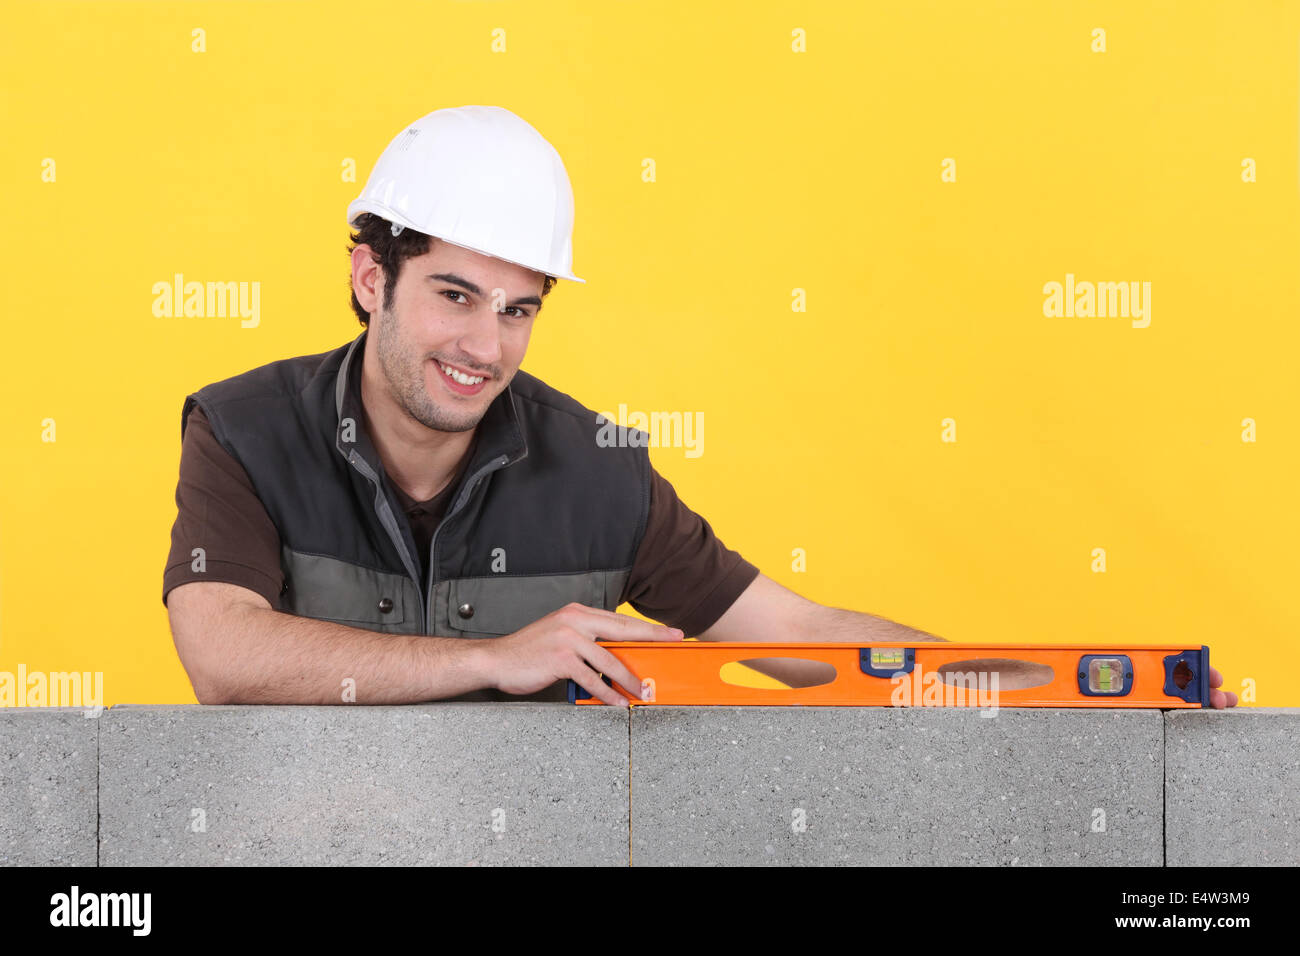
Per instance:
x=775, y=170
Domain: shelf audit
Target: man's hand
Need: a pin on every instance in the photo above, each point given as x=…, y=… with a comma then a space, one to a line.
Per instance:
x=1220, y=699
x=562, y=645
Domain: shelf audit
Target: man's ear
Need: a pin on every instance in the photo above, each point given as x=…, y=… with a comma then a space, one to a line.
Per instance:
x=367, y=278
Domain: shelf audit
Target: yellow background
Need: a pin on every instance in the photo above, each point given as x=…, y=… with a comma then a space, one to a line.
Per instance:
x=775, y=170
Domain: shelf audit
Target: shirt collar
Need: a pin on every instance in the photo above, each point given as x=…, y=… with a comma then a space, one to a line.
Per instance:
x=500, y=438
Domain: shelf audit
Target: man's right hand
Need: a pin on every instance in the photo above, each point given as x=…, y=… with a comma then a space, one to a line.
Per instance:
x=563, y=645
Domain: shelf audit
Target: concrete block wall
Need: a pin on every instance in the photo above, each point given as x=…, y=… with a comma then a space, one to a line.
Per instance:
x=432, y=784
x=879, y=786
x=526, y=783
x=1232, y=787
x=49, y=763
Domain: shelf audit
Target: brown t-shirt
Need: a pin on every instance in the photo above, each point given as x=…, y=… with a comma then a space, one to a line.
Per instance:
x=682, y=576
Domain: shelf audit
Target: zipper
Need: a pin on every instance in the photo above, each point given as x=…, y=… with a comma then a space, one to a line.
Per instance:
x=427, y=601
x=394, y=532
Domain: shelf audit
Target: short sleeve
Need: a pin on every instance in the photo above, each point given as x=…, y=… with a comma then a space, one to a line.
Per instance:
x=222, y=532
x=683, y=575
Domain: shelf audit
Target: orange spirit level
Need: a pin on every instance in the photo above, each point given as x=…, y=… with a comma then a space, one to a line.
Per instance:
x=923, y=674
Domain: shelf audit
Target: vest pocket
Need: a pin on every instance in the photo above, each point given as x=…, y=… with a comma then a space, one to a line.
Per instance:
x=328, y=589
x=502, y=604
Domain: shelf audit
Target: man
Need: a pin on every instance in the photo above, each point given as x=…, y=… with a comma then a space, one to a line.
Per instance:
x=411, y=517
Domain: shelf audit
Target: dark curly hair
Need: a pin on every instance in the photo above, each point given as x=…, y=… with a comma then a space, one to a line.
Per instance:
x=391, y=251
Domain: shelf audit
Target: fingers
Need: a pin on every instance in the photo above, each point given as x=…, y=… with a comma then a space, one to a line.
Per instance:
x=586, y=625
x=1220, y=699
x=601, y=625
x=590, y=682
x=605, y=662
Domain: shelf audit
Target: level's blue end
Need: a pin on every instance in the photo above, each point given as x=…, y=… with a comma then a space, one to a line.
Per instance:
x=577, y=693
x=1187, y=676
x=1205, y=672
x=1105, y=675
x=886, y=661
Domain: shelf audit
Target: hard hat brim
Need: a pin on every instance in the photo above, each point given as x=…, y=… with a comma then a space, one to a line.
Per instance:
x=359, y=206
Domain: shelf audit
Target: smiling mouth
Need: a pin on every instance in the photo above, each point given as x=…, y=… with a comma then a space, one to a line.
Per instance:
x=462, y=378
x=459, y=382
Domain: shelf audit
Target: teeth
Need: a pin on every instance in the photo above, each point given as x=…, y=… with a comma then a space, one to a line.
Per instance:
x=461, y=377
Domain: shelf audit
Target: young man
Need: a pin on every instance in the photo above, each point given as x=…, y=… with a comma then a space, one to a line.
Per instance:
x=411, y=517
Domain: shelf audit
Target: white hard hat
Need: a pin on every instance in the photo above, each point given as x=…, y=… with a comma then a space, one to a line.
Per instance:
x=481, y=178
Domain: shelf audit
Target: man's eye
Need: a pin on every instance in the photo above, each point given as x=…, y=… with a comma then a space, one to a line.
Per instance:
x=517, y=312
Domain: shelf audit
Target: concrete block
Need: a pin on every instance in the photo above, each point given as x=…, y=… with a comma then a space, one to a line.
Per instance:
x=914, y=786
x=449, y=783
x=1232, y=787
x=47, y=786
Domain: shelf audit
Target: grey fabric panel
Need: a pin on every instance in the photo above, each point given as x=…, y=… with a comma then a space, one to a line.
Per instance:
x=505, y=603
x=331, y=590
x=615, y=582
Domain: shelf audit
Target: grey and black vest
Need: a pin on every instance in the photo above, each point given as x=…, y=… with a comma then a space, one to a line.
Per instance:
x=545, y=513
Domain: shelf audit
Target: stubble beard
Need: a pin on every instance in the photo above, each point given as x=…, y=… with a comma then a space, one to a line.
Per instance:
x=403, y=367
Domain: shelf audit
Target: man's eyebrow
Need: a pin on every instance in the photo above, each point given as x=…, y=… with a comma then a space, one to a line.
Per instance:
x=472, y=288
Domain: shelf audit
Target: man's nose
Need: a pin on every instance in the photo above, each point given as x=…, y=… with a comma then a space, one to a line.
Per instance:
x=481, y=336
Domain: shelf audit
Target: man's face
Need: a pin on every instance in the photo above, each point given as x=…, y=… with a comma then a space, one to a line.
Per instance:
x=455, y=311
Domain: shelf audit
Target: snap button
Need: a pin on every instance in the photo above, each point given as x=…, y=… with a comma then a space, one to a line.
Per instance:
x=466, y=611
x=284, y=589
x=385, y=604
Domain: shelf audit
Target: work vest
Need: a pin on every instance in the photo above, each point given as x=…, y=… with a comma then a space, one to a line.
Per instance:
x=545, y=514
